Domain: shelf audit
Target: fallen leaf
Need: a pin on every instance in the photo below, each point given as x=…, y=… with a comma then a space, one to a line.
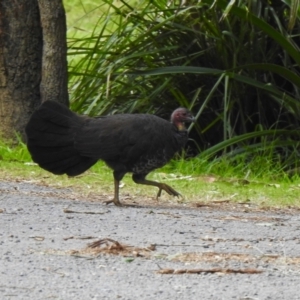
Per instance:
x=38, y=238
x=275, y=185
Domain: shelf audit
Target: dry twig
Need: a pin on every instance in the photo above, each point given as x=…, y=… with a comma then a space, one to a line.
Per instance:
x=214, y=270
x=69, y=211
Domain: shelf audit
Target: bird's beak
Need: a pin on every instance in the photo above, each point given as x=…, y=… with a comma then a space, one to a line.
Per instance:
x=190, y=119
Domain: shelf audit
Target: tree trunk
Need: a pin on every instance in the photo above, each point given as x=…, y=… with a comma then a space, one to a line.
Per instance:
x=32, y=64
x=54, y=85
x=20, y=63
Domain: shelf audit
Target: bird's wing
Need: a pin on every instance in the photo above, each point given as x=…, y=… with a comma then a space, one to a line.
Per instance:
x=121, y=137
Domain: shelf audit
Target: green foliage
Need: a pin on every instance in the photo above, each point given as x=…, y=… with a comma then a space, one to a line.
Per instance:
x=18, y=152
x=236, y=64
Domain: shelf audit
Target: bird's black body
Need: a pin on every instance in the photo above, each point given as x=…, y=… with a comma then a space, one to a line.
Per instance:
x=63, y=142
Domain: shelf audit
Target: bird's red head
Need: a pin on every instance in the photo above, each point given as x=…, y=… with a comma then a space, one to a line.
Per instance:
x=180, y=116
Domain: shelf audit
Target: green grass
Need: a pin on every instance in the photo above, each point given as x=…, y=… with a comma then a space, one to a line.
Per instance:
x=258, y=182
x=81, y=17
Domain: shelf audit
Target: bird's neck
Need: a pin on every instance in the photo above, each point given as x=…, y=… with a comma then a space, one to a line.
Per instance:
x=180, y=126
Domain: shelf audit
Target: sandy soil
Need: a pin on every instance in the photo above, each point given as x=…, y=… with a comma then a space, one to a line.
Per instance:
x=56, y=245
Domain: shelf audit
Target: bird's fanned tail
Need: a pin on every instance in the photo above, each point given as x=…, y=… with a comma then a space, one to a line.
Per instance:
x=51, y=134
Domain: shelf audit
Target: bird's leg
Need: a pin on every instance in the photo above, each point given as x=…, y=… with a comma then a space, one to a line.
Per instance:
x=116, y=200
x=140, y=179
x=118, y=175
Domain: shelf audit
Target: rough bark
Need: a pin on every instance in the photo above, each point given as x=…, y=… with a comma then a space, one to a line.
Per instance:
x=33, y=65
x=20, y=63
x=54, y=84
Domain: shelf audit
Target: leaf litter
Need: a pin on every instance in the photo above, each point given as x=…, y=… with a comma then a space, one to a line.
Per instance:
x=108, y=246
x=113, y=247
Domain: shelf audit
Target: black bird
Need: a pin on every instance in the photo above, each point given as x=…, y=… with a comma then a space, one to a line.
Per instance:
x=63, y=142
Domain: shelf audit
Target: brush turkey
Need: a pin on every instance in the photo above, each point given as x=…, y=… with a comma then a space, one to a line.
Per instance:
x=63, y=142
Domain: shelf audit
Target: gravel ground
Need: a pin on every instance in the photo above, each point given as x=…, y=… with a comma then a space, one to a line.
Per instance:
x=236, y=251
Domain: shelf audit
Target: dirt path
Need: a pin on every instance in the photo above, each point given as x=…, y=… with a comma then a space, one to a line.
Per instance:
x=231, y=251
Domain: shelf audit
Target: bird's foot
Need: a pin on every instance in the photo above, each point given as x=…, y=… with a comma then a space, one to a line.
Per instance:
x=168, y=189
x=120, y=204
x=115, y=201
